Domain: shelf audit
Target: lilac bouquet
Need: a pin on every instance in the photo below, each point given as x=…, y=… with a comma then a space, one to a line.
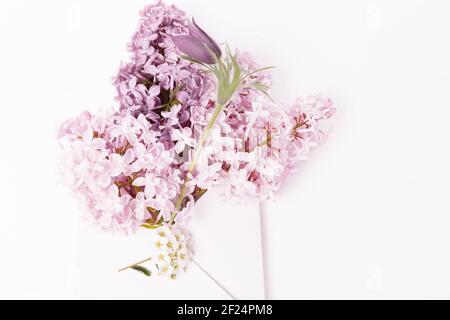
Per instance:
x=191, y=115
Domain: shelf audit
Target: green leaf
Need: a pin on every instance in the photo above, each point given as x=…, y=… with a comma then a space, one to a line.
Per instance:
x=262, y=88
x=142, y=269
x=150, y=226
x=229, y=87
x=256, y=71
x=221, y=72
x=190, y=59
x=236, y=75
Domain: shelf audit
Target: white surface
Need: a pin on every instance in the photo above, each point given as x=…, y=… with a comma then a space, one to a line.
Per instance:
x=367, y=217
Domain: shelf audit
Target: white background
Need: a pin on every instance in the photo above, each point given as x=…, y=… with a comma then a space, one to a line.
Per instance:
x=366, y=217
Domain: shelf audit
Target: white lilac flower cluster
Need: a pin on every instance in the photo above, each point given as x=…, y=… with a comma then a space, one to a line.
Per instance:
x=173, y=245
x=188, y=118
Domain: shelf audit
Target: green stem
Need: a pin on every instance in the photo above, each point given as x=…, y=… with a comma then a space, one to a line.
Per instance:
x=201, y=142
x=264, y=142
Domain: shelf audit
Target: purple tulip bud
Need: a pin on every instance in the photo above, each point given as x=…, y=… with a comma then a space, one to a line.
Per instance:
x=198, y=45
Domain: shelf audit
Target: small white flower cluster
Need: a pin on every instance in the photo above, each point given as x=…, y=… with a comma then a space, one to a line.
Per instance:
x=173, y=250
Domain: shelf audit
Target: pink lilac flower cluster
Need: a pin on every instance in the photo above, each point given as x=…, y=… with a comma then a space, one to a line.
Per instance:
x=129, y=167
x=256, y=144
x=120, y=170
